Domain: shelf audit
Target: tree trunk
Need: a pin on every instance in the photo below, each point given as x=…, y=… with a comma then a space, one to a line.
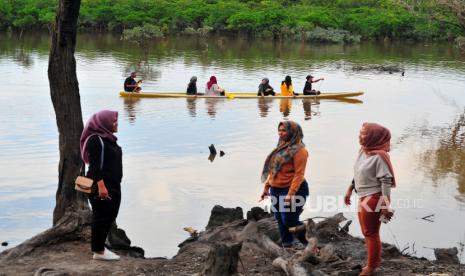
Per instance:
x=222, y=260
x=64, y=91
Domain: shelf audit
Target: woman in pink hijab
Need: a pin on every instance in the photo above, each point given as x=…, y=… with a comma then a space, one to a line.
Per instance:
x=213, y=89
x=373, y=180
x=103, y=155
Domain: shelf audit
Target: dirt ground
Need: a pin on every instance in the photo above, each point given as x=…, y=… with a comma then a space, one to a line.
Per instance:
x=74, y=257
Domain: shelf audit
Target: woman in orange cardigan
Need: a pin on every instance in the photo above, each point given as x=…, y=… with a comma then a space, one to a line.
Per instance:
x=283, y=175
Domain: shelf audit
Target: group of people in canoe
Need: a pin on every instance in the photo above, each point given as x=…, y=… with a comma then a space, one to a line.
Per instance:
x=212, y=88
x=283, y=177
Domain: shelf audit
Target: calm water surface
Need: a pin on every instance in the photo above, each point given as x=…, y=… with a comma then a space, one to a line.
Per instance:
x=168, y=181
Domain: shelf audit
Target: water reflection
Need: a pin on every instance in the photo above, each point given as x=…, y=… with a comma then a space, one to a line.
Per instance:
x=307, y=105
x=226, y=52
x=285, y=107
x=448, y=159
x=144, y=68
x=264, y=105
x=130, y=106
x=211, y=105
x=192, y=106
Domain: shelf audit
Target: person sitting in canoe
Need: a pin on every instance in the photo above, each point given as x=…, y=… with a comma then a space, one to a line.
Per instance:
x=131, y=85
x=192, y=86
x=308, y=90
x=264, y=89
x=213, y=89
x=286, y=87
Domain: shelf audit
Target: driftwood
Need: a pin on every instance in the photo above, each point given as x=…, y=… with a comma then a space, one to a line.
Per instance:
x=296, y=264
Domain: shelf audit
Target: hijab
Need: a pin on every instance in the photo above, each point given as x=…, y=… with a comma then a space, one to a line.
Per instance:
x=377, y=140
x=211, y=82
x=101, y=124
x=285, y=150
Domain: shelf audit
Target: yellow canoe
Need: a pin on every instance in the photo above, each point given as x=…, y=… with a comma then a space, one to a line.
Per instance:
x=338, y=95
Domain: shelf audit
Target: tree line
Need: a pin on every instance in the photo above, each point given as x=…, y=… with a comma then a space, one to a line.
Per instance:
x=316, y=20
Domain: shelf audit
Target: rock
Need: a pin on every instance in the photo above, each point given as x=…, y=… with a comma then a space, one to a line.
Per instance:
x=346, y=226
x=220, y=216
x=389, y=250
x=348, y=273
x=188, y=240
x=222, y=153
x=212, y=155
x=4, y=243
x=327, y=253
x=447, y=255
x=257, y=213
x=43, y=271
x=119, y=241
x=212, y=149
x=317, y=272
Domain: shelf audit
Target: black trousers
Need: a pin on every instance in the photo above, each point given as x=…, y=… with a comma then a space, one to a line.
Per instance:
x=104, y=213
x=313, y=92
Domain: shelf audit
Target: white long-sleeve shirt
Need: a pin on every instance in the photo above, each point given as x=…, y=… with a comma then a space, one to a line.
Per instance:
x=214, y=90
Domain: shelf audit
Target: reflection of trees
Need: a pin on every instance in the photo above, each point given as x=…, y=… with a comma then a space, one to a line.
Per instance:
x=22, y=57
x=144, y=70
x=264, y=105
x=236, y=53
x=449, y=156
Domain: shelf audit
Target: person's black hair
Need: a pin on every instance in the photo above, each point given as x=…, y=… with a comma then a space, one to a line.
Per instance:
x=309, y=77
x=287, y=81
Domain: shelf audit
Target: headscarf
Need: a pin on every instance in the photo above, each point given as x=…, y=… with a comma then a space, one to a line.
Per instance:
x=285, y=150
x=101, y=124
x=267, y=80
x=211, y=82
x=193, y=79
x=377, y=140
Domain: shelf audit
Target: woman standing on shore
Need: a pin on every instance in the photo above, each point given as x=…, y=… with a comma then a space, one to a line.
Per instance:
x=284, y=178
x=100, y=150
x=373, y=179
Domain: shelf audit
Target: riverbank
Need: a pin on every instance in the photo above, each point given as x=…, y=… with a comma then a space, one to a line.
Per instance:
x=255, y=237
x=343, y=21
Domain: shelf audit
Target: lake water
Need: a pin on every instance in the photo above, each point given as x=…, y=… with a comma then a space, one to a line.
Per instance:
x=168, y=181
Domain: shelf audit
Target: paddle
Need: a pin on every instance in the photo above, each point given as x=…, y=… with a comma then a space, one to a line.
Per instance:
x=229, y=96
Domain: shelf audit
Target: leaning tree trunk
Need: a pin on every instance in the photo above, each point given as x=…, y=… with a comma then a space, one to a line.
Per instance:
x=64, y=90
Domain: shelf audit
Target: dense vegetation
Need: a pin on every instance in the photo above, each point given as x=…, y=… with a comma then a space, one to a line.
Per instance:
x=316, y=20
